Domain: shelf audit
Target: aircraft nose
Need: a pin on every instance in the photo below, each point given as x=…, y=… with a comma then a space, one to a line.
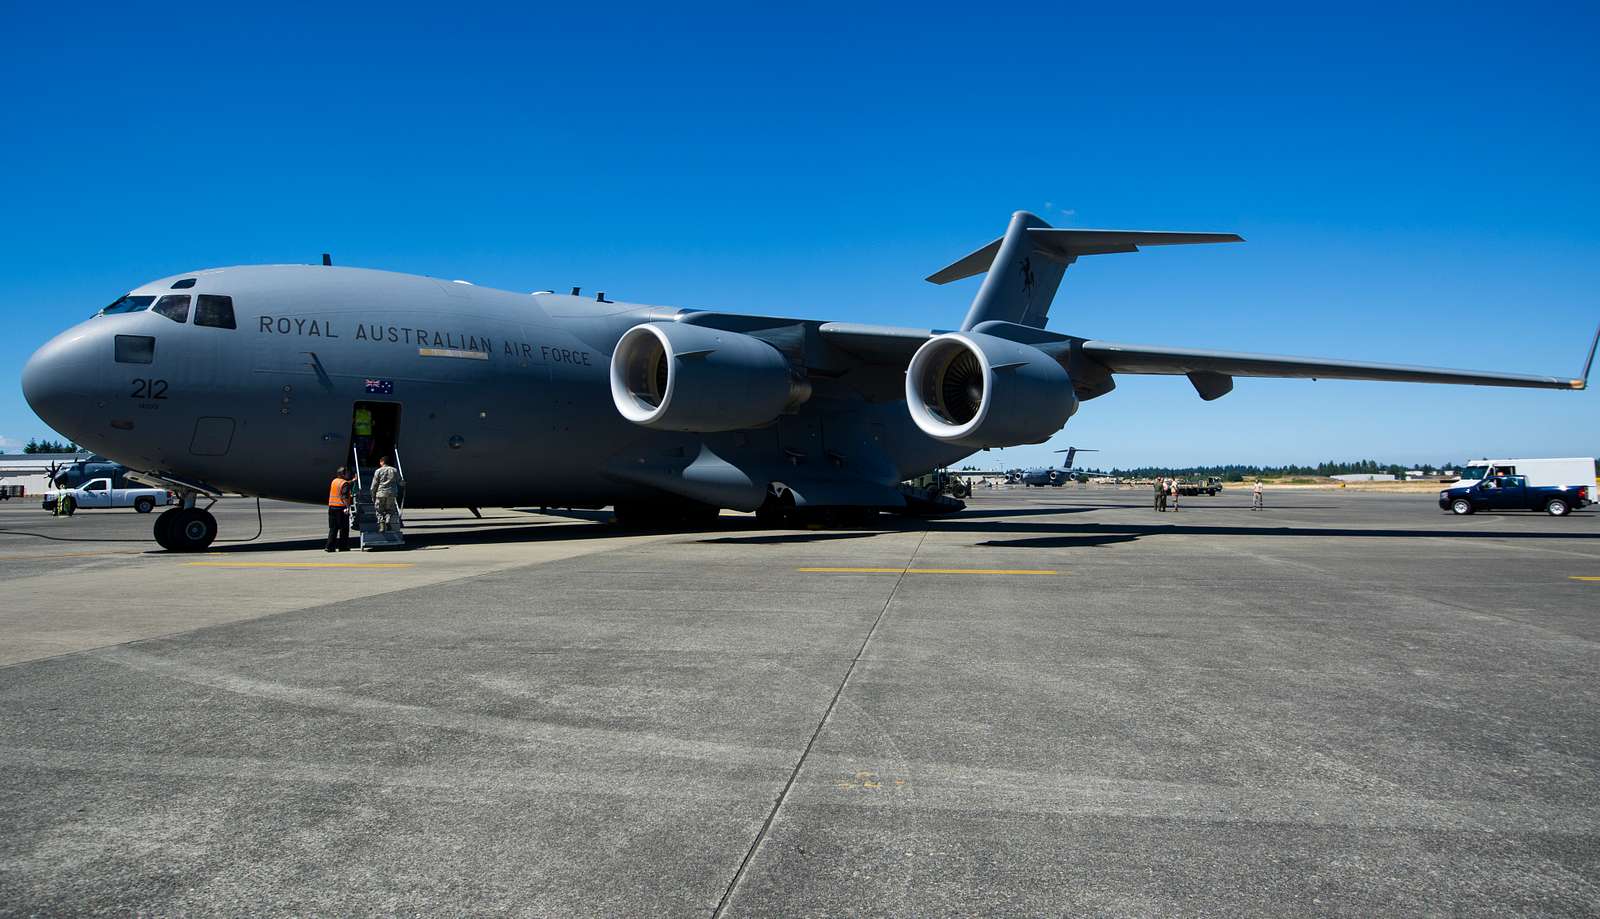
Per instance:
x=61, y=380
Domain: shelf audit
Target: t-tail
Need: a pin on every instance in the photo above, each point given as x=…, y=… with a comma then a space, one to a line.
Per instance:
x=1072, y=454
x=1025, y=266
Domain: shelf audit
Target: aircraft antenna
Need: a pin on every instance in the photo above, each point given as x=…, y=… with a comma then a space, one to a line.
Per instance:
x=327, y=259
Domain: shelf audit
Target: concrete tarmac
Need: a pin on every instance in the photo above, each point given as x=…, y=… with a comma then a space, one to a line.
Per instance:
x=1058, y=702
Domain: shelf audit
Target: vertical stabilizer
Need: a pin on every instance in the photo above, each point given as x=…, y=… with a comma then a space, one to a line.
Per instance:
x=1021, y=281
x=1024, y=267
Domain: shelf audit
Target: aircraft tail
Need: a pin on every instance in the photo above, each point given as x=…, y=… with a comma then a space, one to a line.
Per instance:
x=1072, y=454
x=1025, y=266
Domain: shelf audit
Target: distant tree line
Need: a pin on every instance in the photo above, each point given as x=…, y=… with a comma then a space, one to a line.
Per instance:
x=1235, y=472
x=34, y=445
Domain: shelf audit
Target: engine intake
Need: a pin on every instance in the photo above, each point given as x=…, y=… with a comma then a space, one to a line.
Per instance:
x=676, y=377
x=979, y=390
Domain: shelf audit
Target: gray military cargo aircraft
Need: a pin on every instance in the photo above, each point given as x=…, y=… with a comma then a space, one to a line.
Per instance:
x=1053, y=475
x=247, y=380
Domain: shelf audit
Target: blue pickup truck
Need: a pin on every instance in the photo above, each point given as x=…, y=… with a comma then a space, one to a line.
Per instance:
x=1512, y=492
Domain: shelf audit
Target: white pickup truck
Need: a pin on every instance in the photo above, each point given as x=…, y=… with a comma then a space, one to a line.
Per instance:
x=99, y=493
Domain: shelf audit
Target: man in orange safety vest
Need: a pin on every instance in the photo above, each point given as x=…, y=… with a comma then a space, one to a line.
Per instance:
x=339, y=502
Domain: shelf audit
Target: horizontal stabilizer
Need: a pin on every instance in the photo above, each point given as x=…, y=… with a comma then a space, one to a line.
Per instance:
x=1066, y=245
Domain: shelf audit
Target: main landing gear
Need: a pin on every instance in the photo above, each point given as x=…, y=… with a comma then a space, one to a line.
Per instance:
x=186, y=529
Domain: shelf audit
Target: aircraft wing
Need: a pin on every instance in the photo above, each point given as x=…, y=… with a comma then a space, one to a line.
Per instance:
x=1211, y=372
x=1124, y=358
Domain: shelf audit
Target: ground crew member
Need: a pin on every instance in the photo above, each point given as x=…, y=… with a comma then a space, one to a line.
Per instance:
x=1161, y=494
x=339, y=504
x=1255, y=496
x=386, y=485
x=363, y=428
x=1174, y=495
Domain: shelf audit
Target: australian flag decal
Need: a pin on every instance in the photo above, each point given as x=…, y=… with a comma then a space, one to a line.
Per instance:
x=380, y=387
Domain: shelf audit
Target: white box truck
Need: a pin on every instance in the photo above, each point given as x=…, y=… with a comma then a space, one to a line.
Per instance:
x=1560, y=472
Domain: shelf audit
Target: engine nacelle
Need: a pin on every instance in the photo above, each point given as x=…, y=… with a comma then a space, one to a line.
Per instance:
x=676, y=377
x=978, y=390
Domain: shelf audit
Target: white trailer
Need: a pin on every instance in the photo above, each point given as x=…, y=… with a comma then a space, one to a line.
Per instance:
x=1558, y=472
x=23, y=486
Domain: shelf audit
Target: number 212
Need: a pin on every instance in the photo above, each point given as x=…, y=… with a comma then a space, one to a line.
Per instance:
x=149, y=389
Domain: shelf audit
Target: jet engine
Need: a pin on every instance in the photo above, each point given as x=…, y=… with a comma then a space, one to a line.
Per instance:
x=677, y=377
x=979, y=390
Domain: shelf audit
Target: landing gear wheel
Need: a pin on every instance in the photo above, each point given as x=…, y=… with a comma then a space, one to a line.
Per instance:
x=191, y=530
x=1557, y=508
x=778, y=510
x=144, y=505
x=1461, y=506
x=163, y=528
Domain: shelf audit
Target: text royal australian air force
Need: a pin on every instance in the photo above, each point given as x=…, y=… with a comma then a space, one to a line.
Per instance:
x=452, y=341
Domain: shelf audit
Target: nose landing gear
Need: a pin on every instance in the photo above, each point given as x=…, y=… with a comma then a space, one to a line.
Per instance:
x=185, y=529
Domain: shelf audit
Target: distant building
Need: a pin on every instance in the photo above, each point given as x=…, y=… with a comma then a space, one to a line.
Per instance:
x=38, y=463
x=1363, y=477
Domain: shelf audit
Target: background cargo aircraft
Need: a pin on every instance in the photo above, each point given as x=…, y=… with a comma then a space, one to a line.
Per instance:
x=246, y=380
x=1053, y=475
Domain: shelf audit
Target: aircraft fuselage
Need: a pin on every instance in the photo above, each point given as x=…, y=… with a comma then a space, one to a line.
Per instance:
x=503, y=398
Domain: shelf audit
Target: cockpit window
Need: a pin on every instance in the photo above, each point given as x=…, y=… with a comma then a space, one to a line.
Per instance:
x=174, y=307
x=215, y=311
x=184, y=284
x=135, y=349
x=128, y=304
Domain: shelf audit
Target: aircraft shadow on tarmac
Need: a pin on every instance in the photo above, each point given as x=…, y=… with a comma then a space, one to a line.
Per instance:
x=1008, y=522
x=480, y=534
x=1069, y=535
x=775, y=539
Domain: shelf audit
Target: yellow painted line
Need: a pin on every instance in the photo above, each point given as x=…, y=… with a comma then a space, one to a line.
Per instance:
x=1577, y=577
x=299, y=565
x=928, y=570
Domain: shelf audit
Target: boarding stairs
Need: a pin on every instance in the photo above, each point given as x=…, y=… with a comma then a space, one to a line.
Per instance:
x=365, y=519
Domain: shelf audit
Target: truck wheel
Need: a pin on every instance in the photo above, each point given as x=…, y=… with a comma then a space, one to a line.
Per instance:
x=144, y=505
x=1557, y=508
x=191, y=530
x=1461, y=506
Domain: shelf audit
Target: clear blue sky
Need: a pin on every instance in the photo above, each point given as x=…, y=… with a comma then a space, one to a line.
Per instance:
x=1416, y=186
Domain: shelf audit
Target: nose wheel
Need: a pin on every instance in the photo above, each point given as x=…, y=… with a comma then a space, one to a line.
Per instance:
x=185, y=529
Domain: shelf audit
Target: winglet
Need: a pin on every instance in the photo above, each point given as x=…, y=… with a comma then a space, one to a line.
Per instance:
x=1583, y=381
